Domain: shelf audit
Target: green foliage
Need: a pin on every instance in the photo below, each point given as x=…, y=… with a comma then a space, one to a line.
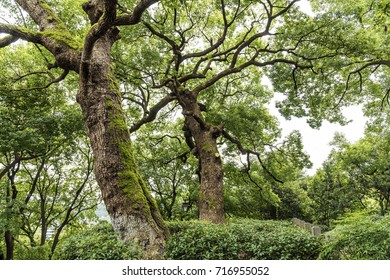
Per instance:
x=355, y=176
x=359, y=236
x=240, y=240
x=294, y=201
x=99, y=242
x=331, y=195
x=345, y=44
x=32, y=253
x=169, y=167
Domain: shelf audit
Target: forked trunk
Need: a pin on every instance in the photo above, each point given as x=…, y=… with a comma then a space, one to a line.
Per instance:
x=133, y=211
x=211, y=204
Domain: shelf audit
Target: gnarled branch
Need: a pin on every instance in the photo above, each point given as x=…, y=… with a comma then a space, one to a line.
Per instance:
x=135, y=16
x=246, y=151
x=8, y=40
x=152, y=113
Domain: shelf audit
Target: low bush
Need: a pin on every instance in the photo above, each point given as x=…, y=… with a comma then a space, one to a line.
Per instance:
x=240, y=240
x=359, y=236
x=32, y=253
x=99, y=242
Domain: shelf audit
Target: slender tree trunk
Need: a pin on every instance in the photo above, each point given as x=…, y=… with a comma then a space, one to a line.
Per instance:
x=133, y=211
x=211, y=204
x=9, y=245
x=1, y=254
x=11, y=195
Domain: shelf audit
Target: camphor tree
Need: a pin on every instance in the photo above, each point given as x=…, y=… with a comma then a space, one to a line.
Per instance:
x=197, y=46
x=206, y=52
x=86, y=49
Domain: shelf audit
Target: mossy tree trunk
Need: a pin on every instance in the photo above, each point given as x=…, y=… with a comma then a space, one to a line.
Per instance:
x=133, y=211
x=204, y=144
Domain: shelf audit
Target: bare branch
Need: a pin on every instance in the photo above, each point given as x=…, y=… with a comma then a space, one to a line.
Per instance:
x=251, y=62
x=152, y=112
x=174, y=46
x=386, y=98
x=54, y=81
x=221, y=40
x=243, y=150
x=135, y=16
x=16, y=161
x=358, y=71
x=8, y=40
x=285, y=9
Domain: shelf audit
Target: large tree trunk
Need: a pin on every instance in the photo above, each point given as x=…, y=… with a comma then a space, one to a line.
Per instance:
x=211, y=204
x=133, y=211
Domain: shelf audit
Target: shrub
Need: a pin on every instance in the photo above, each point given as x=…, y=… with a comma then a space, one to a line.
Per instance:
x=240, y=240
x=32, y=253
x=359, y=236
x=100, y=242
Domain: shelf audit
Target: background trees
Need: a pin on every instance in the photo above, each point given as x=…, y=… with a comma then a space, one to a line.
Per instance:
x=354, y=177
x=46, y=162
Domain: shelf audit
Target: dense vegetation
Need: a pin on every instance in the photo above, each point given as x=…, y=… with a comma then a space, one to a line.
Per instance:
x=360, y=236
x=147, y=106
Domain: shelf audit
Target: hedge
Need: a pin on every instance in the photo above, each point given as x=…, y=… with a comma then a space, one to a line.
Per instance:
x=240, y=240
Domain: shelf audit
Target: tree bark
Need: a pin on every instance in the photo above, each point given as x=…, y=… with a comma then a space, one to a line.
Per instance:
x=211, y=197
x=133, y=211
x=9, y=245
x=11, y=195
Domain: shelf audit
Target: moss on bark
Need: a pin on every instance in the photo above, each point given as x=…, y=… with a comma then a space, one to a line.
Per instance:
x=131, y=181
x=64, y=37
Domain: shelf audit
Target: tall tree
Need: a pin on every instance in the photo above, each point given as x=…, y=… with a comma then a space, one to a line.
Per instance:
x=205, y=49
x=132, y=209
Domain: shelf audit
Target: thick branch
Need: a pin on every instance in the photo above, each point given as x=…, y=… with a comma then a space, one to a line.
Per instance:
x=8, y=40
x=135, y=17
x=42, y=14
x=18, y=33
x=152, y=113
x=104, y=23
x=59, y=42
